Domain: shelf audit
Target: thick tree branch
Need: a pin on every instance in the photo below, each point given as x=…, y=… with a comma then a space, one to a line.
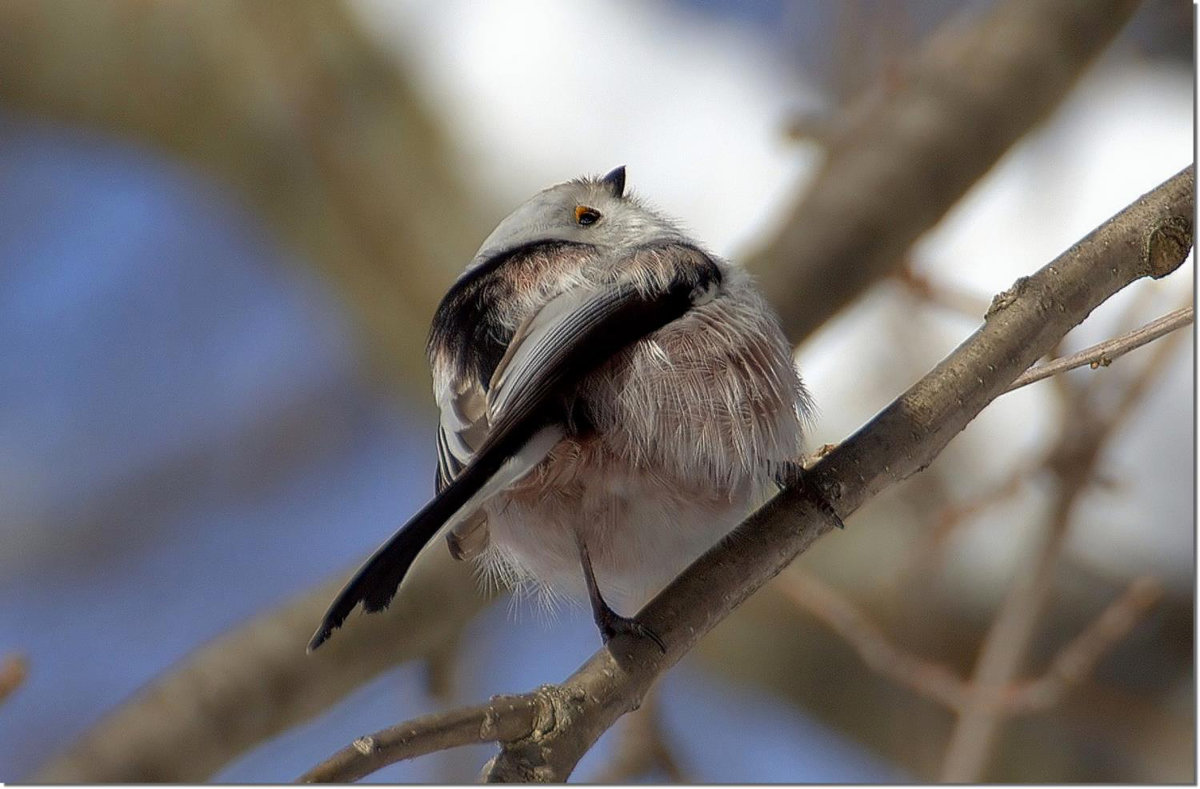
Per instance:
x=1150, y=238
x=974, y=89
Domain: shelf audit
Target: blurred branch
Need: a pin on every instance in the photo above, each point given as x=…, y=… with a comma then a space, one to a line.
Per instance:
x=1074, y=463
x=292, y=106
x=1102, y=354
x=929, y=679
x=1079, y=658
x=13, y=671
x=948, y=298
x=503, y=718
x=929, y=544
x=894, y=168
x=1022, y=325
x=257, y=681
x=937, y=682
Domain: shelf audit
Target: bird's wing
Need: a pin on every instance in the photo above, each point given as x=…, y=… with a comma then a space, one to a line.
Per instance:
x=565, y=340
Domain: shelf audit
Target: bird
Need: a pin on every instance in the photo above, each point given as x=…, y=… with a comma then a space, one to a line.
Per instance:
x=613, y=399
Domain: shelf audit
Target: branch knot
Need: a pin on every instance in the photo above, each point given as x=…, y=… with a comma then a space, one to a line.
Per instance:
x=1167, y=245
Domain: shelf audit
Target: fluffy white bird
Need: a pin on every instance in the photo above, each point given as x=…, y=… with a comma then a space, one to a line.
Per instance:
x=613, y=400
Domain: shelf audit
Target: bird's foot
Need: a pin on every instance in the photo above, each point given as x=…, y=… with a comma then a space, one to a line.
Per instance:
x=794, y=475
x=612, y=624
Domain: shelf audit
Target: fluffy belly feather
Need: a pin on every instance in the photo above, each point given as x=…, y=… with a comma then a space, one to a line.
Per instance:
x=642, y=525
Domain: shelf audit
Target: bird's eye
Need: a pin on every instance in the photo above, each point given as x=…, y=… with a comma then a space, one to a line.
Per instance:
x=586, y=215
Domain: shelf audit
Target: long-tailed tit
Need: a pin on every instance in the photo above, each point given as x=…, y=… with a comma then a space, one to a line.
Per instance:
x=613, y=400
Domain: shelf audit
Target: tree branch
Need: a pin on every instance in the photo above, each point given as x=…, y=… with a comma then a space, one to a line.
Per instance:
x=1149, y=238
x=1102, y=354
x=932, y=680
x=502, y=719
x=973, y=90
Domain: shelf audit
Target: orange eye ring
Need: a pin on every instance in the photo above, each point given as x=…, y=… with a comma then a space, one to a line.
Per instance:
x=586, y=215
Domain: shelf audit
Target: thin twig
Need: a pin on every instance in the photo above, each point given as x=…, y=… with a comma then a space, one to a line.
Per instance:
x=1078, y=659
x=929, y=544
x=262, y=666
x=931, y=680
x=1102, y=354
x=939, y=294
x=501, y=719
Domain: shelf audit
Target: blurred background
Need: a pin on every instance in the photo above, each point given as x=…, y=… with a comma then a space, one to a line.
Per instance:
x=224, y=228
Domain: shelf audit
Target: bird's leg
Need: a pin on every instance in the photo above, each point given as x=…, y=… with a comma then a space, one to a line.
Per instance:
x=793, y=474
x=609, y=621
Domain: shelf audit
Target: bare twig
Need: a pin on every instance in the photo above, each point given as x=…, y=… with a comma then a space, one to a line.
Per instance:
x=1102, y=354
x=895, y=168
x=929, y=544
x=1150, y=238
x=955, y=300
x=13, y=671
x=501, y=719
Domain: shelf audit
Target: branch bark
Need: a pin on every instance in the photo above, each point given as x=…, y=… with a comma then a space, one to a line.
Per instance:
x=972, y=91
x=1149, y=238
x=502, y=718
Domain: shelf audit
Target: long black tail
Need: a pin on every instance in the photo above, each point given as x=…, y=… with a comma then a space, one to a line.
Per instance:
x=376, y=582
